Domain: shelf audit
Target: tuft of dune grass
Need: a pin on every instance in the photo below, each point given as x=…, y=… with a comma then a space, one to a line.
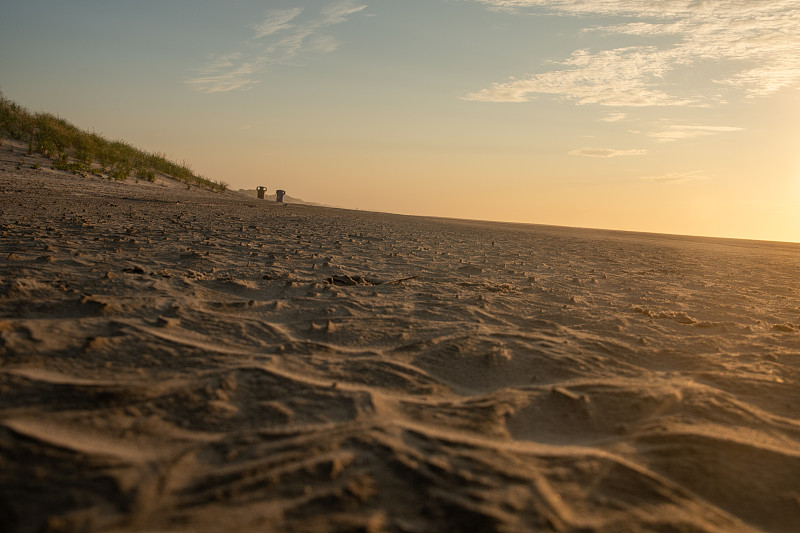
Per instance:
x=82, y=152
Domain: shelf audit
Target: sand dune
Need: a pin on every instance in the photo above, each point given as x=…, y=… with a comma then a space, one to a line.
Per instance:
x=179, y=360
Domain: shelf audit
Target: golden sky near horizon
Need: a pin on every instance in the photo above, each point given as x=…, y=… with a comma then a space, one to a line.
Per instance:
x=676, y=116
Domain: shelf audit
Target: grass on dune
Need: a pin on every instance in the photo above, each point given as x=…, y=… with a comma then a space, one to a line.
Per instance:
x=82, y=152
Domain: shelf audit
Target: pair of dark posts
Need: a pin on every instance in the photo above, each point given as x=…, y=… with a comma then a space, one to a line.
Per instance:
x=263, y=190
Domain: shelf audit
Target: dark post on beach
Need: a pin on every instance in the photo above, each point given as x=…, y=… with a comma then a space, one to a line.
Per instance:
x=279, y=195
x=261, y=191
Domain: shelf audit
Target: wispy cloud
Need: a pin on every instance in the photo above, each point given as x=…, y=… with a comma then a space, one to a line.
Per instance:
x=621, y=77
x=677, y=177
x=754, y=41
x=284, y=36
x=605, y=152
x=275, y=21
x=674, y=132
x=338, y=13
x=223, y=73
x=614, y=117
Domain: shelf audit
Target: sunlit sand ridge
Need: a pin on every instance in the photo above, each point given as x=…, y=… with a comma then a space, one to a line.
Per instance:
x=181, y=360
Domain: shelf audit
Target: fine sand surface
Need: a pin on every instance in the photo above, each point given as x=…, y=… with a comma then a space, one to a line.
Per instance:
x=176, y=360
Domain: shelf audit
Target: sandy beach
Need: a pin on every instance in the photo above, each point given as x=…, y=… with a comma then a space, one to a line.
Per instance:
x=181, y=360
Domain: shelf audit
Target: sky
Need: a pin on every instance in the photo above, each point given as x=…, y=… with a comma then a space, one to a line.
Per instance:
x=670, y=116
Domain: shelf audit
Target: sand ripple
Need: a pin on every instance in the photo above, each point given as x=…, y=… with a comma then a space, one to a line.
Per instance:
x=182, y=361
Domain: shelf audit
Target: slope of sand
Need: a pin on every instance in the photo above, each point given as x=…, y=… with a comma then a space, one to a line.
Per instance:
x=177, y=360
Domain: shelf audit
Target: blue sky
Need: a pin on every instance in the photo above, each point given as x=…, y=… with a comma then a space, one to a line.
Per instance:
x=676, y=116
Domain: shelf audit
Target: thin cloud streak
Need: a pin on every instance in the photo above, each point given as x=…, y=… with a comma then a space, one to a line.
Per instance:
x=229, y=72
x=757, y=41
x=677, y=177
x=283, y=37
x=605, y=152
x=615, y=117
x=276, y=21
x=675, y=132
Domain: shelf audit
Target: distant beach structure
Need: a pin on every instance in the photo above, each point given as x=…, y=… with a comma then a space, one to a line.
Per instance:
x=279, y=195
x=261, y=191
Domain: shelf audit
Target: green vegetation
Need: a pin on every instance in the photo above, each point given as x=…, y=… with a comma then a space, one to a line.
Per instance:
x=81, y=152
